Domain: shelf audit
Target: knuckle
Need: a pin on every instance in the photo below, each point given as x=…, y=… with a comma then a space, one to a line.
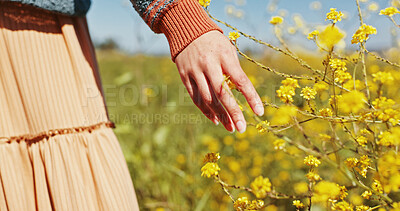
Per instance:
x=220, y=91
x=242, y=81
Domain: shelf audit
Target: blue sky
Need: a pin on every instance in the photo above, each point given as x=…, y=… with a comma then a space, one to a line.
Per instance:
x=118, y=20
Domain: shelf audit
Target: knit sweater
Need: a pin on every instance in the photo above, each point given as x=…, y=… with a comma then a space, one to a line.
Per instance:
x=182, y=21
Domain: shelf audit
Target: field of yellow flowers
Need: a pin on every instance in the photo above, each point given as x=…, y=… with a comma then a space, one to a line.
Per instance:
x=328, y=141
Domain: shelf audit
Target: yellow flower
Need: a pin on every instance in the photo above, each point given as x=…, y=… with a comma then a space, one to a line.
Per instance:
x=390, y=11
x=351, y=162
x=362, y=140
x=376, y=186
x=284, y=115
x=342, y=206
x=210, y=170
x=330, y=36
x=204, y=3
x=362, y=34
x=343, y=192
x=233, y=36
x=389, y=138
x=326, y=112
x=337, y=64
x=260, y=187
x=362, y=208
x=383, y=77
x=311, y=161
x=351, y=102
x=334, y=15
x=373, y=6
x=320, y=86
x=313, y=177
x=324, y=190
x=286, y=93
x=301, y=188
x=366, y=194
x=290, y=82
x=342, y=76
x=312, y=35
x=279, y=144
x=243, y=204
x=262, y=127
x=298, y=204
x=276, y=20
x=229, y=82
x=308, y=93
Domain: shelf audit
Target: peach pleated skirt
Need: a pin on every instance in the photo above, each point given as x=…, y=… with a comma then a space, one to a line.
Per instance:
x=57, y=147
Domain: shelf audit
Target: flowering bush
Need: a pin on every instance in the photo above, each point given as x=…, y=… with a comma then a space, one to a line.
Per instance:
x=344, y=129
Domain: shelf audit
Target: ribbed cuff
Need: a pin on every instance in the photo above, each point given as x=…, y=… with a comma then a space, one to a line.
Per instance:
x=183, y=23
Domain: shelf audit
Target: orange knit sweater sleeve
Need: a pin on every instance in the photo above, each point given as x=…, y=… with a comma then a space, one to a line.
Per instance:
x=182, y=21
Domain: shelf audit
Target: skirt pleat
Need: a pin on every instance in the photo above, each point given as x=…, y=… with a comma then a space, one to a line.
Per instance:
x=57, y=147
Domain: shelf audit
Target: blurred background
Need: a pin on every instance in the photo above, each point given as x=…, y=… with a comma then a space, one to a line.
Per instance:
x=164, y=136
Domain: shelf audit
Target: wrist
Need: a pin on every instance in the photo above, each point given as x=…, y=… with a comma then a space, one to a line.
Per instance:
x=184, y=23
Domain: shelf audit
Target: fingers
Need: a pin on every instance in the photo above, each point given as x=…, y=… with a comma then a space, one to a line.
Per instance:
x=231, y=66
x=225, y=96
x=207, y=100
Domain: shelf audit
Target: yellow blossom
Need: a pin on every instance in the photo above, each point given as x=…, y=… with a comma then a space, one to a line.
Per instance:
x=210, y=170
x=229, y=82
x=204, y=3
x=334, y=15
x=312, y=35
x=337, y=64
x=342, y=76
x=308, y=93
x=279, y=144
x=362, y=140
x=276, y=20
x=326, y=112
x=290, y=82
x=243, y=204
x=313, y=177
x=342, y=206
x=351, y=162
x=376, y=186
x=233, y=36
x=352, y=102
x=362, y=208
x=262, y=127
x=330, y=36
x=286, y=93
x=284, y=115
x=298, y=204
x=389, y=138
x=373, y=6
x=311, y=161
x=389, y=165
x=320, y=86
x=362, y=34
x=383, y=77
x=301, y=188
x=389, y=11
x=366, y=194
x=343, y=192
x=260, y=187
x=287, y=90
x=324, y=190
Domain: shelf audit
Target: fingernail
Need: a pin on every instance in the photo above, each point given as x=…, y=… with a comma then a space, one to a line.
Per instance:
x=241, y=126
x=216, y=122
x=259, y=109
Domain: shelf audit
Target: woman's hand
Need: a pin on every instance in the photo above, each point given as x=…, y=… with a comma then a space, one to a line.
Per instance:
x=201, y=66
